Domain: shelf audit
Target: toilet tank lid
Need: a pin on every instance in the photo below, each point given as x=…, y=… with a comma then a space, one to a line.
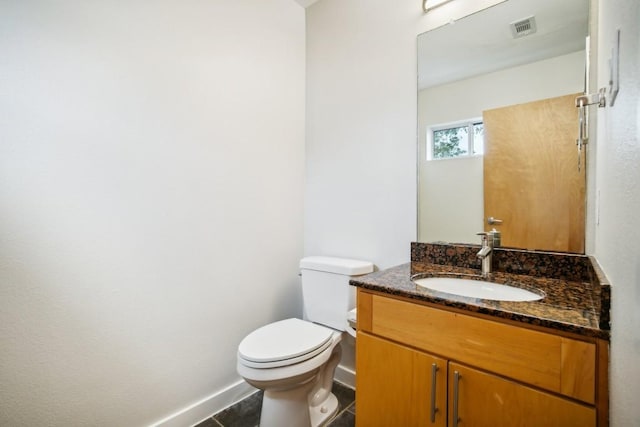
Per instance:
x=347, y=267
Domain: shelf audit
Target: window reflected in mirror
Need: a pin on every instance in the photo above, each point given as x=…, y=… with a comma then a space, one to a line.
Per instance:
x=460, y=139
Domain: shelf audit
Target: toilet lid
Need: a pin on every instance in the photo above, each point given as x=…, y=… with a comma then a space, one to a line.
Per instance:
x=286, y=339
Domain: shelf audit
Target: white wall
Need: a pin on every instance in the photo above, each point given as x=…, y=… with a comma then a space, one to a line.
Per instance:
x=450, y=200
x=452, y=210
x=617, y=240
x=151, y=196
x=360, y=170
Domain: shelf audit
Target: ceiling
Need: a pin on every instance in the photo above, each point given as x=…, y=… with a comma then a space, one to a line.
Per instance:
x=482, y=42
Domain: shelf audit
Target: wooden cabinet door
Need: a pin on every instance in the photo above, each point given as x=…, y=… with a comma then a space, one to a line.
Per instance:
x=486, y=400
x=396, y=385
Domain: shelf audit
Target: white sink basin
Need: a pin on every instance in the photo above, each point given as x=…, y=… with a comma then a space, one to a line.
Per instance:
x=477, y=289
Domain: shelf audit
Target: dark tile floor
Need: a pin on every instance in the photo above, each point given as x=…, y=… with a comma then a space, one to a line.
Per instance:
x=246, y=413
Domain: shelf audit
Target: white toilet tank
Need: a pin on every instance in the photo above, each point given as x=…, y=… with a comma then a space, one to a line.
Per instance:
x=326, y=294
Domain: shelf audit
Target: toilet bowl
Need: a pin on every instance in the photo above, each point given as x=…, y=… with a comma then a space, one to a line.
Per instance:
x=294, y=360
x=297, y=379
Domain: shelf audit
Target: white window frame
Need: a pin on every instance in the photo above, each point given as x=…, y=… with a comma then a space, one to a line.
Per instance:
x=470, y=123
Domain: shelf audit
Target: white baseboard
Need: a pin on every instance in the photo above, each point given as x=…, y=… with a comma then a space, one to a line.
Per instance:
x=345, y=376
x=205, y=408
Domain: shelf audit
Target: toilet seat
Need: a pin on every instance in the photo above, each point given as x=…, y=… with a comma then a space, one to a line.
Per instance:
x=283, y=343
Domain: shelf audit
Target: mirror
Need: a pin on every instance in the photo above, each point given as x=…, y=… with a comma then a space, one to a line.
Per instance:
x=483, y=63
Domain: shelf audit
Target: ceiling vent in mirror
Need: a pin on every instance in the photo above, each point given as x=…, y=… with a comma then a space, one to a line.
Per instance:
x=523, y=27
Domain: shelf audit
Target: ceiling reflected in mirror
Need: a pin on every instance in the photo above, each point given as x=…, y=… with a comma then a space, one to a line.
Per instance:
x=484, y=42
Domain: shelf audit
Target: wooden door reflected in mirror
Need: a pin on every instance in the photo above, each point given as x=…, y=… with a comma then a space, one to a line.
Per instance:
x=531, y=177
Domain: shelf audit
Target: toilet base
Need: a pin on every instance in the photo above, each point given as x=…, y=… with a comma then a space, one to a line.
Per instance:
x=324, y=412
x=278, y=410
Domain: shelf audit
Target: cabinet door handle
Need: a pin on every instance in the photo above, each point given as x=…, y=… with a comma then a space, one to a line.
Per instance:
x=456, y=387
x=434, y=370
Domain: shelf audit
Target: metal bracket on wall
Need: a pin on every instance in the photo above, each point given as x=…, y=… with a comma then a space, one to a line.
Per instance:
x=582, y=102
x=592, y=98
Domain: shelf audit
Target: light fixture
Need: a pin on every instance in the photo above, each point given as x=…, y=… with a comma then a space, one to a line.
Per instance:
x=427, y=5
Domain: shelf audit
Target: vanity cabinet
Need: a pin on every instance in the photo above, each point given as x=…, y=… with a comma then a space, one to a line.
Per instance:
x=420, y=365
x=400, y=386
x=481, y=399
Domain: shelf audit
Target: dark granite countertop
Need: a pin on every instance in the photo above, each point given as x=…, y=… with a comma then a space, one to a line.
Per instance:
x=572, y=305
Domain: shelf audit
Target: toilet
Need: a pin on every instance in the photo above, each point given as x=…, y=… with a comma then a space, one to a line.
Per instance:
x=294, y=360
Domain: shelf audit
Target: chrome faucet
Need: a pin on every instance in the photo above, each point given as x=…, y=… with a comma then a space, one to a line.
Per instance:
x=485, y=253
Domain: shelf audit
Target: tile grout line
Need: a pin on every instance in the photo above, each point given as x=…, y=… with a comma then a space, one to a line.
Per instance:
x=340, y=413
x=352, y=406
